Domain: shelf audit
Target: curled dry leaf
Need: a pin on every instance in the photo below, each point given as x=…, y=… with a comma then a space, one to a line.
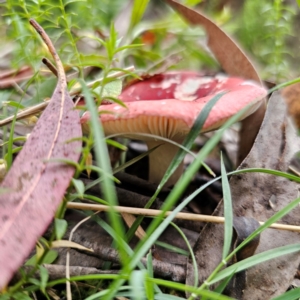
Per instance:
x=234, y=62
x=259, y=196
x=69, y=244
x=10, y=77
x=36, y=183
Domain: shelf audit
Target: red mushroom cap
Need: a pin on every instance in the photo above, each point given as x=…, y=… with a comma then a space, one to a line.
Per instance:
x=168, y=104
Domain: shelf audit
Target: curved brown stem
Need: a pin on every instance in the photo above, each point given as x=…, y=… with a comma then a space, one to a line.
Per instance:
x=60, y=69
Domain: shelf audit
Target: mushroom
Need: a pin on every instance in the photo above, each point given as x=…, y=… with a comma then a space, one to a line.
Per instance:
x=167, y=105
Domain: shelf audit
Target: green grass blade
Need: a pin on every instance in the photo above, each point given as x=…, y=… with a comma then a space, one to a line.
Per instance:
x=138, y=10
x=228, y=214
x=149, y=286
x=136, y=281
x=167, y=297
x=290, y=295
x=190, y=289
x=103, y=161
x=193, y=258
x=155, y=230
x=252, y=260
x=255, y=260
x=180, y=146
x=187, y=144
x=267, y=171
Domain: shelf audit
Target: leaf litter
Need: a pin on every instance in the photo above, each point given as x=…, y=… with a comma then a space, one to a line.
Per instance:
x=259, y=196
x=37, y=184
x=37, y=168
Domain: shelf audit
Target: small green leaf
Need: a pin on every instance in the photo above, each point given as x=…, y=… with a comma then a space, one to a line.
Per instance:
x=31, y=261
x=15, y=104
x=60, y=226
x=50, y=257
x=92, y=60
x=44, y=276
x=79, y=186
x=111, y=89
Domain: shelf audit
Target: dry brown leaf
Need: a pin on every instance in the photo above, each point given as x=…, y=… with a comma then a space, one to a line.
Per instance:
x=234, y=62
x=129, y=220
x=69, y=244
x=10, y=77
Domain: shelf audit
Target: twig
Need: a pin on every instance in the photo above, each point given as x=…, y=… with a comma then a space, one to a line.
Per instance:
x=129, y=198
x=58, y=272
x=154, y=212
x=162, y=269
x=50, y=66
x=292, y=169
x=41, y=106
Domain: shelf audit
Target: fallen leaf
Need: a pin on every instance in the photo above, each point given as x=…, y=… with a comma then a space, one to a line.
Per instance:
x=37, y=185
x=259, y=196
x=129, y=219
x=234, y=62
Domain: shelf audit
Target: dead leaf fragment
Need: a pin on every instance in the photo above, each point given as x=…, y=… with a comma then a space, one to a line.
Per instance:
x=234, y=62
x=9, y=77
x=36, y=185
x=69, y=244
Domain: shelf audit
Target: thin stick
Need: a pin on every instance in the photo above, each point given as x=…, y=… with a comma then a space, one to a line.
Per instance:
x=294, y=171
x=50, y=66
x=41, y=106
x=25, y=113
x=154, y=212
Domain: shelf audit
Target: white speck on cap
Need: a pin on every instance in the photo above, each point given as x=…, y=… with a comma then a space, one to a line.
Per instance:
x=166, y=83
x=186, y=91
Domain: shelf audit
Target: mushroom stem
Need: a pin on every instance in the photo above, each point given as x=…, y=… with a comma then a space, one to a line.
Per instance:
x=159, y=161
